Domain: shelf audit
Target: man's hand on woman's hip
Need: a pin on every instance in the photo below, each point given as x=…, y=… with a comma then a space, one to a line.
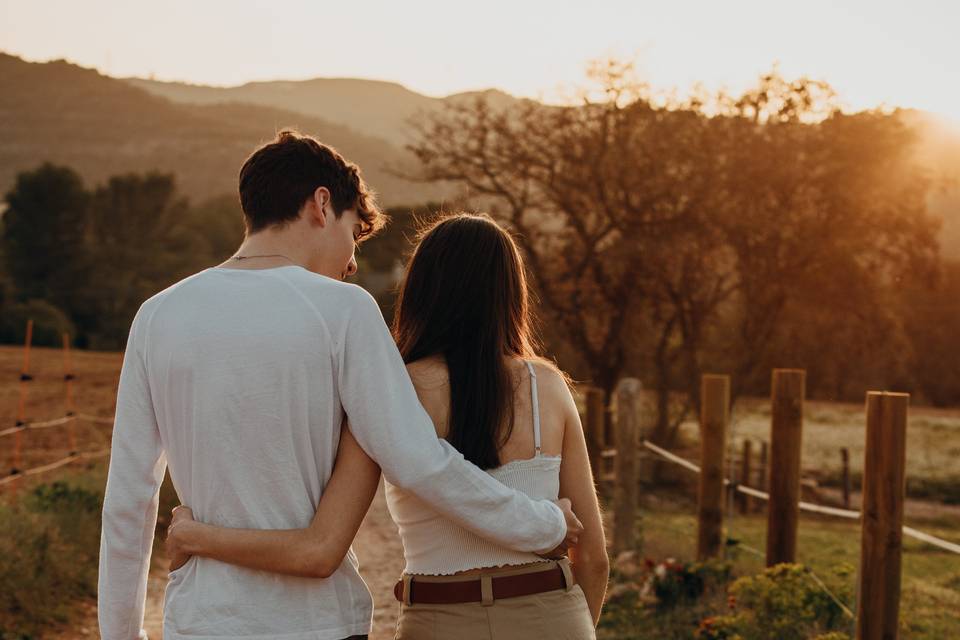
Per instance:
x=574, y=529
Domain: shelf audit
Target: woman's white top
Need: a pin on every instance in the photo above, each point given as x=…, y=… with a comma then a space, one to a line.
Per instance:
x=437, y=545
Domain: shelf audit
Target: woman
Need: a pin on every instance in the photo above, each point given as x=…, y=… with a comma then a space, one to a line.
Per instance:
x=463, y=328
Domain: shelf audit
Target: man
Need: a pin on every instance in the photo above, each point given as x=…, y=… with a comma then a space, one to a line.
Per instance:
x=240, y=378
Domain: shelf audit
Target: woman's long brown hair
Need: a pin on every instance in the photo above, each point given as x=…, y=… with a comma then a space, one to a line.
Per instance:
x=464, y=296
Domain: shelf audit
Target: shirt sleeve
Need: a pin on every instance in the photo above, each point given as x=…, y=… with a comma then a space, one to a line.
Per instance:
x=394, y=429
x=137, y=466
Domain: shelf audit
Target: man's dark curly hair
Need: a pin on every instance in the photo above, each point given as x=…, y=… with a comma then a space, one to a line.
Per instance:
x=278, y=178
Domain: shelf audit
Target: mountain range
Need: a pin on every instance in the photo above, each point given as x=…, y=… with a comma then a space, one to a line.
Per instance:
x=101, y=126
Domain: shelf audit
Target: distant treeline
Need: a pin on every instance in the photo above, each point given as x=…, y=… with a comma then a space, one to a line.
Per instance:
x=81, y=260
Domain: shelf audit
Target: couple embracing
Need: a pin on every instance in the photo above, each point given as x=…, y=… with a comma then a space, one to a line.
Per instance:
x=276, y=395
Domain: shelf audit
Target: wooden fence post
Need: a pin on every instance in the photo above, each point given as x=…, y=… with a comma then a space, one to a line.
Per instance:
x=763, y=481
x=884, y=491
x=714, y=413
x=845, y=458
x=595, y=419
x=786, y=438
x=627, y=482
x=746, y=472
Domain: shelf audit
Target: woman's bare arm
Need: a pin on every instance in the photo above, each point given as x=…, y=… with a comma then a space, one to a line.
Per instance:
x=316, y=551
x=589, y=558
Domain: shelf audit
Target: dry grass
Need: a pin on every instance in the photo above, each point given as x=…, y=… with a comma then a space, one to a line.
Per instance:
x=933, y=436
x=95, y=390
x=933, y=442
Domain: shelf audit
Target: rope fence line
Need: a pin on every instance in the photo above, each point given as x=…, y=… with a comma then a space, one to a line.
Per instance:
x=739, y=544
x=87, y=455
x=56, y=422
x=36, y=425
x=946, y=545
x=69, y=419
x=74, y=456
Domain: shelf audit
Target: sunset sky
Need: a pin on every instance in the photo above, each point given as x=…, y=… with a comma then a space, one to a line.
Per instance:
x=873, y=52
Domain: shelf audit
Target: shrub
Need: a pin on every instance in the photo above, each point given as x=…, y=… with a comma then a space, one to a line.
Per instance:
x=782, y=603
x=674, y=583
x=40, y=575
x=49, y=323
x=48, y=557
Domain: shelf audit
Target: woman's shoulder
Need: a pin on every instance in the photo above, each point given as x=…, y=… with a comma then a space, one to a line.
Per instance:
x=428, y=370
x=550, y=378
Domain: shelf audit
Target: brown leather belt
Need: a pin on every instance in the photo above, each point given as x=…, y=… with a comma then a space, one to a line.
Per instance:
x=471, y=589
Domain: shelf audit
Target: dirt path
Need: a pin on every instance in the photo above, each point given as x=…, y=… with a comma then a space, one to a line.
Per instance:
x=381, y=561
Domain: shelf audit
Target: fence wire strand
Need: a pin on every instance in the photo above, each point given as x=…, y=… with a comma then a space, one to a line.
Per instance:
x=946, y=545
x=73, y=457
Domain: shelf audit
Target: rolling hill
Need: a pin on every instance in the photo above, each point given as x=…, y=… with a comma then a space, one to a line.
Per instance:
x=102, y=126
x=373, y=107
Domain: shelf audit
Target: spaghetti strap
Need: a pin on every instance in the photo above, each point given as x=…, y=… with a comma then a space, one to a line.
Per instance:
x=536, y=408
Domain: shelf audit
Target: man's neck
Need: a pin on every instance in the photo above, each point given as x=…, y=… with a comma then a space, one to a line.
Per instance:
x=265, y=248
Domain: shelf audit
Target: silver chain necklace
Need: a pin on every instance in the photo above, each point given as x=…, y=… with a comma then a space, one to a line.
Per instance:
x=268, y=255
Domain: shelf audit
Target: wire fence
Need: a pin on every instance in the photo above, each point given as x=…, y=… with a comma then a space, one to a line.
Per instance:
x=73, y=456
x=815, y=579
x=946, y=545
x=69, y=419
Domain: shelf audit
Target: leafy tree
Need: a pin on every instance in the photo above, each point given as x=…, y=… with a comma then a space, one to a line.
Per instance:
x=140, y=243
x=932, y=315
x=667, y=240
x=44, y=235
x=218, y=223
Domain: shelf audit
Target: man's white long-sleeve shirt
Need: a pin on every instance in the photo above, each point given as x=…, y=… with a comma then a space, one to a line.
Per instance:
x=240, y=381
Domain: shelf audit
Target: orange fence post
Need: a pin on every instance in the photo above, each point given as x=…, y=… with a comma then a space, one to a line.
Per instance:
x=68, y=378
x=25, y=377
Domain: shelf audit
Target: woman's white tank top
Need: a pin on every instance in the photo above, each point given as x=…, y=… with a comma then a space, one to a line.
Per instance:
x=434, y=545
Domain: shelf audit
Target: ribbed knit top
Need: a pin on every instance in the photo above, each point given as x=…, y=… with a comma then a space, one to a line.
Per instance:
x=436, y=545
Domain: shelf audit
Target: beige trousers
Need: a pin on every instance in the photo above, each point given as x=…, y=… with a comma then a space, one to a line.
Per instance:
x=557, y=615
